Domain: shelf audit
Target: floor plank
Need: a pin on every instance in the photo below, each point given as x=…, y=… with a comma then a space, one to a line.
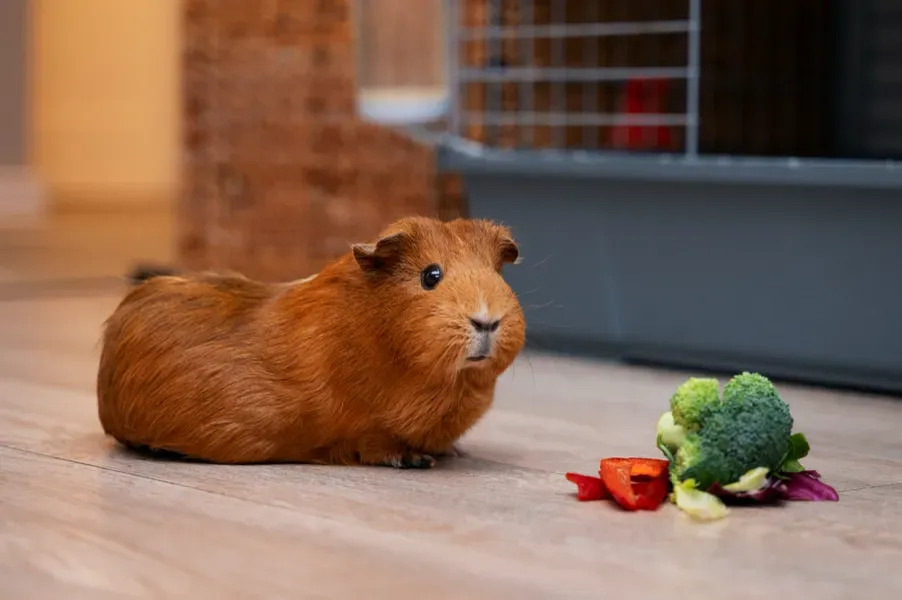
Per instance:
x=71, y=530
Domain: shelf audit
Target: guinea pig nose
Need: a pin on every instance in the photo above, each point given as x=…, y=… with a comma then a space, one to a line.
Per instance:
x=484, y=325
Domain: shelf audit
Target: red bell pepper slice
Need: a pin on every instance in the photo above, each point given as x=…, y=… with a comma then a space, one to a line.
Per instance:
x=587, y=487
x=636, y=483
x=641, y=467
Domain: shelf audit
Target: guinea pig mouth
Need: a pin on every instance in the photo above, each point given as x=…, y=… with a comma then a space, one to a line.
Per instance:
x=476, y=358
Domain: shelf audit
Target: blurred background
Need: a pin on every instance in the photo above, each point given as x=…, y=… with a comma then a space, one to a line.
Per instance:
x=707, y=184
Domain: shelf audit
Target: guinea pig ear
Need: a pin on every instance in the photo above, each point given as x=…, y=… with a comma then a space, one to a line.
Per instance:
x=510, y=252
x=382, y=255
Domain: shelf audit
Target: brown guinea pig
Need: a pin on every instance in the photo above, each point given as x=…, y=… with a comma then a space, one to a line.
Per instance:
x=386, y=357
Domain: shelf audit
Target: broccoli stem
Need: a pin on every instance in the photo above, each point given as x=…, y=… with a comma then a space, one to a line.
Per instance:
x=666, y=451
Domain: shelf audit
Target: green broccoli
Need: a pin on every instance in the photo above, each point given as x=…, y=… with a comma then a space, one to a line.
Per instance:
x=710, y=440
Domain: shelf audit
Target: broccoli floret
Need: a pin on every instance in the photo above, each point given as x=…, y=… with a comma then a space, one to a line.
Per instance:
x=718, y=441
x=691, y=400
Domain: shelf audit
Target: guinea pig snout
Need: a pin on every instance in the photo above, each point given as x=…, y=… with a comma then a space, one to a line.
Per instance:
x=484, y=325
x=482, y=338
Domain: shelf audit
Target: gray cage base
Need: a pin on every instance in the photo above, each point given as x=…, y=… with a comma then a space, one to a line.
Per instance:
x=795, y=280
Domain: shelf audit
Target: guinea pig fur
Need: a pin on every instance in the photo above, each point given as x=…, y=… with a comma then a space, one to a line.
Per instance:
x=386, y=357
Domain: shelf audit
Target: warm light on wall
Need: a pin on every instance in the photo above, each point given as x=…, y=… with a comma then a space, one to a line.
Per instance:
x=106, y=96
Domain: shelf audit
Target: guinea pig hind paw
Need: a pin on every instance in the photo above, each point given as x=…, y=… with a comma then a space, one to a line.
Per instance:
x=410, y=461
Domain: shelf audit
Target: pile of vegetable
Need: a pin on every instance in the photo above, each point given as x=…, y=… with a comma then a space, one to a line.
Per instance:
x=720, y=449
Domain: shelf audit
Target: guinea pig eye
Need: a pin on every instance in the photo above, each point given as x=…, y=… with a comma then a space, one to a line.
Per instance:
x=430, y=276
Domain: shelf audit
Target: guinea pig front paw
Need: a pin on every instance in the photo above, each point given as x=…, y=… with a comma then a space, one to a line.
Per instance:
x=409, y=460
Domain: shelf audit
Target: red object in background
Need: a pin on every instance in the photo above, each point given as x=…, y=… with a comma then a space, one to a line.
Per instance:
x=643, y=97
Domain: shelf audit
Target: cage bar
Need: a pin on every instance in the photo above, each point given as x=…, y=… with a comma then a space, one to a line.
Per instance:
x=563, y=118
x=564, y=75
x=527, y=88
x=576, y=30
x=452, y=58
x=692, y=83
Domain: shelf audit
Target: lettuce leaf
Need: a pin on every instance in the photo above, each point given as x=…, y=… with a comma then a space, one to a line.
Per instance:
x=807, y=486
x=698, y=504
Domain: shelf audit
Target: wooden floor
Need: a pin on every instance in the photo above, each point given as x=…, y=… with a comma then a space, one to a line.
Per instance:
x=80, y=518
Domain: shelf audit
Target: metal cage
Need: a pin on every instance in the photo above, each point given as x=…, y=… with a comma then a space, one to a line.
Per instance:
x=746, y=79
x=544, y=74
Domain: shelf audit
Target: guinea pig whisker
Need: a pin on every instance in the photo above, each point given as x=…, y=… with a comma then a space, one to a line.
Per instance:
x=438, y=363
x=527, y=292
x=547, y=324
x=532, y=371
x=543, y=305
x=541, y=262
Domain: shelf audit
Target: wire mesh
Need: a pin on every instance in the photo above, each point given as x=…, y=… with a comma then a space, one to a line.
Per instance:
x=572, y=74
x=758, y=78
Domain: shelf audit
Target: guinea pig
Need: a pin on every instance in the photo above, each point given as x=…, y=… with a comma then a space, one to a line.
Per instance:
x=386, y=357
